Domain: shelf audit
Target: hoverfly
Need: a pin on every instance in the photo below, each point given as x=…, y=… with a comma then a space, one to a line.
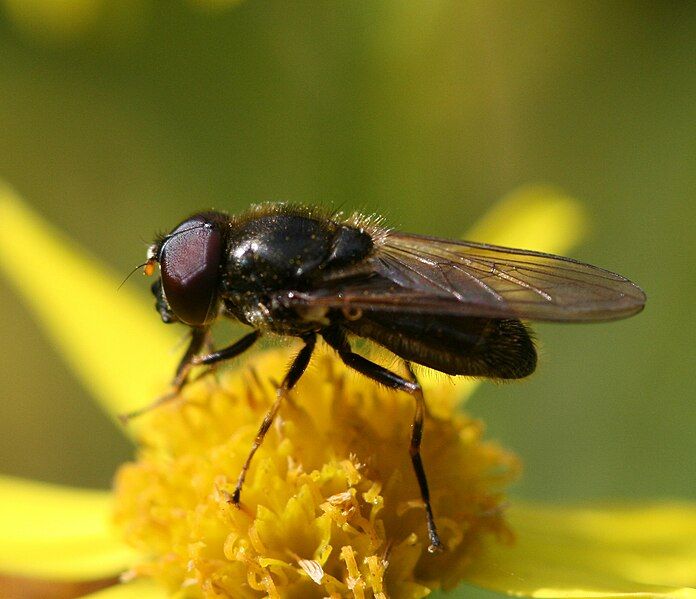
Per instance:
x=454, y=306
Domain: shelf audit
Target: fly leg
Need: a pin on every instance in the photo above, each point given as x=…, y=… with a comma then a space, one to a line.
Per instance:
x=214, y=357
x=414, y=451
x=199, y=338
x=226, y=353
x=299, y=365
x=337, y=339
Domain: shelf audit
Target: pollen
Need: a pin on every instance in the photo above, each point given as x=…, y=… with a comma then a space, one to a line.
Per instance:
x=330, y=505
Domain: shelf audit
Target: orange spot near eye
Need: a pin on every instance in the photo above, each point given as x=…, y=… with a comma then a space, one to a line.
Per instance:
x=149, y=267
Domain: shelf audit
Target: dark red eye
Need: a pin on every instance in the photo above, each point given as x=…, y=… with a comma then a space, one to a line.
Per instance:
x=189, y=263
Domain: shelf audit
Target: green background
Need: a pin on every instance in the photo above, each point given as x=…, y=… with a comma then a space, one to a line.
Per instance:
x=116, y=123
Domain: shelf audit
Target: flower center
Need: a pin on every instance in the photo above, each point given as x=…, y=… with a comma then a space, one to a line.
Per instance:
x=330, y=506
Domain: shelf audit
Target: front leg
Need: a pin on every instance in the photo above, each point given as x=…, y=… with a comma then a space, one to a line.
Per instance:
x=227, y=353
x=337, y=339
x=212, y=358
x=199, y=338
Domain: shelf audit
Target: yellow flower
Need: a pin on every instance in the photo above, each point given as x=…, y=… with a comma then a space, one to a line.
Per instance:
x=330, y=507
x=330, y=500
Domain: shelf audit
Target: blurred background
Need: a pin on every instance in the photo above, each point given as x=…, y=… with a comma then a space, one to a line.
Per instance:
x=119, y=117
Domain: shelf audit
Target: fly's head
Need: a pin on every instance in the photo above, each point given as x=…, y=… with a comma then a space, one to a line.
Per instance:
x=190, y=260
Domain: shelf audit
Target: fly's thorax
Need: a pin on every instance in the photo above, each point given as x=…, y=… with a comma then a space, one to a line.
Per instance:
x=288, y=252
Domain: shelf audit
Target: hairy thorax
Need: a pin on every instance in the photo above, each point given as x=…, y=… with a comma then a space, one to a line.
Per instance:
x=272, y=255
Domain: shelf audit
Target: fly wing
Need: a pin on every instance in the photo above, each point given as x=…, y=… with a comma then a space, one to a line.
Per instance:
x=414, y=273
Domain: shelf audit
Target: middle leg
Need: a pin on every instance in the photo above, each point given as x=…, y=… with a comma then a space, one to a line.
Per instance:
x=337, y=339
x=297, y=369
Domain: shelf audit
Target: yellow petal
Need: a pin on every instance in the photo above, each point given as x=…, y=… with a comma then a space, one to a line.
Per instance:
x=58, y=533
x=603, y=552
x=138, y=589
x=111, y=338
x=534, y=217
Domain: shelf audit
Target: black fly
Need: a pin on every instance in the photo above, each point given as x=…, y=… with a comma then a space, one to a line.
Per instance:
x=454, y=306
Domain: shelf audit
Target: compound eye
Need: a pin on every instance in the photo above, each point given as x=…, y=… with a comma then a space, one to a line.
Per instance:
x=189, y=265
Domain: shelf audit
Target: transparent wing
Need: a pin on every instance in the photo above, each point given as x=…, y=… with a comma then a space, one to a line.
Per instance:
x=414, y=273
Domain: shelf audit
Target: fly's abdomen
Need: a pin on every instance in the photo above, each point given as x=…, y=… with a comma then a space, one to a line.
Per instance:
x=456, y=345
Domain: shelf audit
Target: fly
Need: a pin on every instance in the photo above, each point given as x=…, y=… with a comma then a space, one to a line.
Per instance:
x=454, y=306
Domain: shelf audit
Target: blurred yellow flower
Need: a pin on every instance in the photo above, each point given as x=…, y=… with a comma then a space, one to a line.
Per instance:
x=331, y=507
x=56, y=19
x=69, y=21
